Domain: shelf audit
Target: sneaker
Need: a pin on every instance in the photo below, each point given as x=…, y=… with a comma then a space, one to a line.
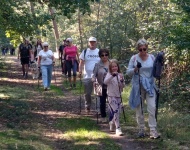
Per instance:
x=141, y=133
x=45, y=88
x=111, y=126
x=48, y=88
x=154, y=134
x=118, y=132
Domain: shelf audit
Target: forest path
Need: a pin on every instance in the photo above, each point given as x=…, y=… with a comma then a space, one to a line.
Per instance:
x=46, y=107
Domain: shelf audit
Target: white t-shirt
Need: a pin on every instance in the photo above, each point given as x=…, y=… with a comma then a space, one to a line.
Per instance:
x=91, y=57
x=46, y=57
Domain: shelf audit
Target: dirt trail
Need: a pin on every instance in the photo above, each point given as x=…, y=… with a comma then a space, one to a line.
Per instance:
x=69, y=106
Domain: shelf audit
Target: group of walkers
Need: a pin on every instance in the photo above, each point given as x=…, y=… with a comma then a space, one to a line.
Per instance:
x=103, y=75
x=39, y=54
x=6, y=50
x=99, y=69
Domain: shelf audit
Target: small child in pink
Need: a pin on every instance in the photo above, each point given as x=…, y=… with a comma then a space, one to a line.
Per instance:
x=115, y=84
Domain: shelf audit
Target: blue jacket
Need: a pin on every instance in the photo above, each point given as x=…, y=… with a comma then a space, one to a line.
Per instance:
x=147, y=84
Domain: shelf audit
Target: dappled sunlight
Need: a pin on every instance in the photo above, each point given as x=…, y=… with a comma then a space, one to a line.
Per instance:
x=83, y=134
x=55, y=114
x=3, y=96
x=56, y=134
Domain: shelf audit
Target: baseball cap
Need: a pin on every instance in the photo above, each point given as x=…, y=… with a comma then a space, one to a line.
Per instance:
x=69, y=40
x=45, y=44
x=92, y=39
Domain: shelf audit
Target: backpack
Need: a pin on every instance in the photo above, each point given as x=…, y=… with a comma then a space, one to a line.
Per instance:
x=158, y=65
x=85, y=53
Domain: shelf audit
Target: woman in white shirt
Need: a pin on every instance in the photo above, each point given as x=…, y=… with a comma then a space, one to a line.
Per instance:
x=46, y=62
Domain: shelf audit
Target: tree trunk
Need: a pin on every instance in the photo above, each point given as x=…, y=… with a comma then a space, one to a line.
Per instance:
x=80, y=29
x=56, y=33
x=32, y=8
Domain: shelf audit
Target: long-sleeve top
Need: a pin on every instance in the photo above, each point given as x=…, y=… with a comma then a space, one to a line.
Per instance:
x=114, y=85
x=146, y=78
x=99, y=73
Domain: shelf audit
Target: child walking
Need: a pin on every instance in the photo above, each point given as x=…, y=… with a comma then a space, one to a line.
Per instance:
x=115, y=84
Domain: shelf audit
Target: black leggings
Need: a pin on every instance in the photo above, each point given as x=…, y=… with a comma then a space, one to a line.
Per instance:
x=103, y=103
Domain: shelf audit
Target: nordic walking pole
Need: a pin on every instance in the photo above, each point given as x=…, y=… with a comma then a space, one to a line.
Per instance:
x=140, y=92
x=157, y=98
x=97, y=109
x=54, y=74
x=121, y=100
x=38, y=77
x=80, y=99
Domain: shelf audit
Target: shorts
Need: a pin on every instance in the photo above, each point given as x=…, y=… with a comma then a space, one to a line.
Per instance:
x=24, y=60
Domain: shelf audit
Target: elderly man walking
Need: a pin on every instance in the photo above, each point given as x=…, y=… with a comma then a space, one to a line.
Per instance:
x=88, y=58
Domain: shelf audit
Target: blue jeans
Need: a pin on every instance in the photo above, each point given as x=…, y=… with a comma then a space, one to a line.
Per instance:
x=46, y=75
x=72, y=66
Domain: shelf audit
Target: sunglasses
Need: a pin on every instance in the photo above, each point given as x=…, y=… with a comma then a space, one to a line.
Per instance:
x=142, y=49
x=104, y=55
x=45, y=46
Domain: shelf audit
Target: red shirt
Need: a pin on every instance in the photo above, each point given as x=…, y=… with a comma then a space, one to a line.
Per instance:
x=70, y=52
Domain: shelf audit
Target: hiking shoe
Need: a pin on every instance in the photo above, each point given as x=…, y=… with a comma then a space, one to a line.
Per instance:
x=111, y=126
x=154, y=134
x=119, y=132
x=141, y=133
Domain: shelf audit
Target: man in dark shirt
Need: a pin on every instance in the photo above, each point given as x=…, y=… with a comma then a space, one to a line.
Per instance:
x=24, y=53
x=61, y=48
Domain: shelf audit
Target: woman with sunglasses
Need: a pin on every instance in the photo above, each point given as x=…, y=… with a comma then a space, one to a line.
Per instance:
x=99, y=73
x=70, y=53
x=46, y=61
x=143, y=88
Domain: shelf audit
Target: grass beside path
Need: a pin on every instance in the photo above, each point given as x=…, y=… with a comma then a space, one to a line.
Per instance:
x=32, y=119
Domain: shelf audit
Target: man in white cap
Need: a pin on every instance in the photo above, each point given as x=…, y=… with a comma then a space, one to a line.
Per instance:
x=24, y=53
x=88, y=58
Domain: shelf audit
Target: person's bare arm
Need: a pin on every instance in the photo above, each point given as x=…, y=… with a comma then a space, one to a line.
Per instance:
x=39, y=60
x=81, y=66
